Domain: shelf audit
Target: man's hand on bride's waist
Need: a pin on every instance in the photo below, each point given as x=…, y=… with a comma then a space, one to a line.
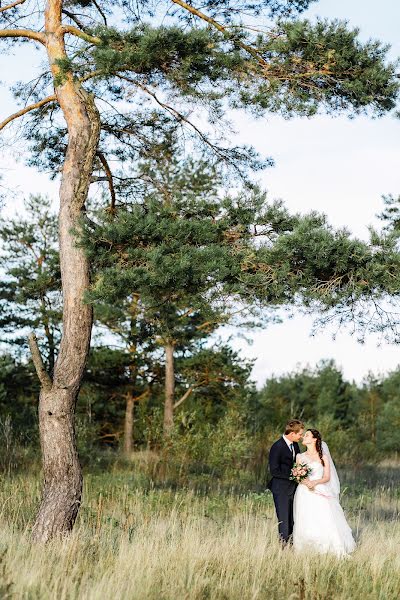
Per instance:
x=310, y=484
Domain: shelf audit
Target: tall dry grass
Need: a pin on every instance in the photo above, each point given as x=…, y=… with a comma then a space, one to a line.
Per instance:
x=159, y=544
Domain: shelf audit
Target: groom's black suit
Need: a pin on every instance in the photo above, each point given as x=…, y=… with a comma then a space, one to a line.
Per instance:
x=280, y=464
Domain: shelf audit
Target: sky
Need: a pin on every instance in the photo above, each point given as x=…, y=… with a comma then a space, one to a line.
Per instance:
x=338, y=166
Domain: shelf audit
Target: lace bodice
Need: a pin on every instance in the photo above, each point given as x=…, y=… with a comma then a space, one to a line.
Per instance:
x=317, y=468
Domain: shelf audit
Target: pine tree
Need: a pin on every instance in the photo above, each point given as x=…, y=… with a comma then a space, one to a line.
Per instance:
x=30, y=296
x=196, y=258
x=171, y=220
x=134, y=358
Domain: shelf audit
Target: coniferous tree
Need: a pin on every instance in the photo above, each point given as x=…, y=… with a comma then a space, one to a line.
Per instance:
x=18, y=399
x=30, y=296
x=134, y=358
x=309, y=393
x=214, y=378
x=195, y=257
x=175, y=249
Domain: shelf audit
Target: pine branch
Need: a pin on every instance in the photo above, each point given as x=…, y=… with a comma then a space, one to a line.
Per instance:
x=73, y=17
x=101, y=12
x=42, y=374
x=197, y=13
x=137, y=398
x=42, y=102
x=27, y=109
x=81, y=34
x=91, y=75
x=223, y=30
x=24, y=33
x=110, y=180
x=192, y=388
x=183, y=398
x=175, y=113
x=4, y=8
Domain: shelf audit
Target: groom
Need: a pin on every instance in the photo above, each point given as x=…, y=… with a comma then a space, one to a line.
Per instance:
x=281, y=458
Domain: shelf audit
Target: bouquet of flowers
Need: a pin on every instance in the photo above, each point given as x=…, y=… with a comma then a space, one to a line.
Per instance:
x=299, y=472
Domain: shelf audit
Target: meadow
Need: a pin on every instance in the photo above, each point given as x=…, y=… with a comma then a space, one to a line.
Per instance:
x=144, y=540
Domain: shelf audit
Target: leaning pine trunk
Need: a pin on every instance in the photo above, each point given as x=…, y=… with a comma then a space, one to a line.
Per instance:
x=62, y=472
x=169, y=389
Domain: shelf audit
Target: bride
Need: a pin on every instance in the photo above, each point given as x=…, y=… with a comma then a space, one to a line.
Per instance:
x=319, y=521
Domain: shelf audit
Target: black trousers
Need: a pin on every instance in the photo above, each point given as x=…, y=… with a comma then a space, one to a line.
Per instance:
x=284, y=512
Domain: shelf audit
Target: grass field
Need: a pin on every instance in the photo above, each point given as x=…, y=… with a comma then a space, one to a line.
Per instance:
x=144, y=542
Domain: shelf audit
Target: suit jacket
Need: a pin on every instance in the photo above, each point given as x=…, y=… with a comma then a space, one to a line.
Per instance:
x=280, y=465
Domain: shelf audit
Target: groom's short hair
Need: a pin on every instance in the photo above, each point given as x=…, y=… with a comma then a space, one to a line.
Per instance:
x=294, y=425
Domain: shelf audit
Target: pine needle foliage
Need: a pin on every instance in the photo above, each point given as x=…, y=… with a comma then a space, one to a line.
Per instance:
x=30, y=295
x=155, y=66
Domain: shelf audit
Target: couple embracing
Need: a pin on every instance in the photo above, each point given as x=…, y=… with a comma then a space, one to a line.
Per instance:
x=309, y=513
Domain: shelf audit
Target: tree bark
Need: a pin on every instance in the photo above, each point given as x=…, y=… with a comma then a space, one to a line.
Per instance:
x=130, y=400
x=49, y=337
x=128, y=429
x=62, y=472
x=169, y=389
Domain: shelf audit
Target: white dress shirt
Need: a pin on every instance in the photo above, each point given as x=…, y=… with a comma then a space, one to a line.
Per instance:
x=289, y=443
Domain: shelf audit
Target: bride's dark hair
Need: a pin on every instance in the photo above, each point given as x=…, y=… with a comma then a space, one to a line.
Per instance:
x=318, y=445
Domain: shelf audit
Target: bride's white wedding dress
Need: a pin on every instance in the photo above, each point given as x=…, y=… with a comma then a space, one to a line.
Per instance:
x=319, y=521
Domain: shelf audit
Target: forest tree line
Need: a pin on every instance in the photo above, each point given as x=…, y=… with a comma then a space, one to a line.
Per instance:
x=226, y=425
